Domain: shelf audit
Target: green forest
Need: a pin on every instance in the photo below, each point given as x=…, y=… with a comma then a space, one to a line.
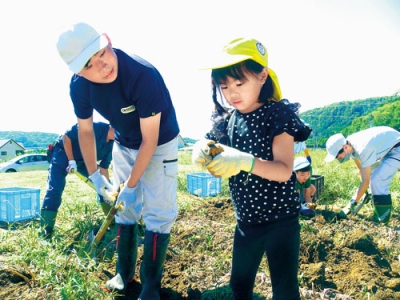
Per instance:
x=346, y=117
x=30, y=140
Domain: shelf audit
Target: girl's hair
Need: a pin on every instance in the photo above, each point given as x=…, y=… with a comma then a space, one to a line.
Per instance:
x=222, y=109
x=238, y=71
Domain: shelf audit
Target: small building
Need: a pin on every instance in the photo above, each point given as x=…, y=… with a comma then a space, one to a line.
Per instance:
x=10, y=149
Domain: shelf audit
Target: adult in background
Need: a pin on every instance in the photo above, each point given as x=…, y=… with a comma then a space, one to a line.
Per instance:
x=66, y=157
x=130, y=93
x=376, y=153
x=301, y=146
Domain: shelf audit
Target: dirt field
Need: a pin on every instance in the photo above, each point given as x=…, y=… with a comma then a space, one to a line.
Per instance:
x=348, y=259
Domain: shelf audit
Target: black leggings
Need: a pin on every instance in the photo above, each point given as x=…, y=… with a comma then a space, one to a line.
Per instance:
x=280, y=240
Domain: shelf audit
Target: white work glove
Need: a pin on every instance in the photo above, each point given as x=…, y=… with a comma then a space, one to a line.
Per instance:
x=72, y=167
x=200, y=154
x=101, y=184
x=126, y=197
x=230, y=162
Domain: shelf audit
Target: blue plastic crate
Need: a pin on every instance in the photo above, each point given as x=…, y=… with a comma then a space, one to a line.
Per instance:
x=203, y=184
x=18, y=204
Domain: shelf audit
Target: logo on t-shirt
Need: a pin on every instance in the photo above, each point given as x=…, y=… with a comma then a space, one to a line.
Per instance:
x=129, y=109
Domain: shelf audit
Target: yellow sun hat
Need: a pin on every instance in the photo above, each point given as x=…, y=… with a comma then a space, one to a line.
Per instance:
x=242, y=49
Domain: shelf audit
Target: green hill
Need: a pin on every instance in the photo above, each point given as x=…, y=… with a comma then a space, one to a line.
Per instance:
x=348, y=117
x=29, y=140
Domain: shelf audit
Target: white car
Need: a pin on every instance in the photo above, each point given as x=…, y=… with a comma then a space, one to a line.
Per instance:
x=26, y=162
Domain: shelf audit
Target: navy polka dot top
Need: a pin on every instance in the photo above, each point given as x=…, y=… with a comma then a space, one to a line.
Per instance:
x=255, y=199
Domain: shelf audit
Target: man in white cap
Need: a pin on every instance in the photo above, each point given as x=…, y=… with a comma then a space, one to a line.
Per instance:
x=131, y=94
x=376, y=153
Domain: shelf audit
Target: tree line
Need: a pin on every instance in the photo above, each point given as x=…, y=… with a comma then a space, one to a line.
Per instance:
x=345, y=117
x=29, y=140
x=348, y=117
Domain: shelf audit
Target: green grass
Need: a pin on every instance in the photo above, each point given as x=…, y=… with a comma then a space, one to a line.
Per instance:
x=63, y=270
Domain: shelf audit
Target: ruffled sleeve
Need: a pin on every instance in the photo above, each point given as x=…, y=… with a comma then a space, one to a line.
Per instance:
x=283, y=116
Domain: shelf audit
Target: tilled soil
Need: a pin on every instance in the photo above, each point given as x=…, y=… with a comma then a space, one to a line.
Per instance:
x=339, y=259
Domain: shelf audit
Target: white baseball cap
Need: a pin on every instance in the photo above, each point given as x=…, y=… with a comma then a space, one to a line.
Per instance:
x=78, y=43
x=300, y=163
x=333, y=146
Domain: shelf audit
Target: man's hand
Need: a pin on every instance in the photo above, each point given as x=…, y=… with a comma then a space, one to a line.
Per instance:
x=204, y=151
x=101, y=184
x=127, y=197
x=230, y=162
x=72, y=167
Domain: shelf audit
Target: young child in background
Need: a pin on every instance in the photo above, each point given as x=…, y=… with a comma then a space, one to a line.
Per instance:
x=305, y=188
x=258, y=135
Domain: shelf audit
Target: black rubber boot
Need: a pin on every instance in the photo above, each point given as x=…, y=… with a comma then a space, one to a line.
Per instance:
x=151, y=270
x=126, y=260
x=382, y=208
x=47, y=222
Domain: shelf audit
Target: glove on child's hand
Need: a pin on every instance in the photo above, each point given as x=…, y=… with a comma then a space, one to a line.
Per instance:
x=230, y=162
x=309, y=159
x=72, y=167
x=204, y=151
x=101, y=184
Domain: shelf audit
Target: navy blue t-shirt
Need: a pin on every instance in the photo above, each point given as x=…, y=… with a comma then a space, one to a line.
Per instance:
x=103, y=148
x=138, y=92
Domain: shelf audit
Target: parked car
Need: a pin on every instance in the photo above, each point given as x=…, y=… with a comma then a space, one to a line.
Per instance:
x=26, y=162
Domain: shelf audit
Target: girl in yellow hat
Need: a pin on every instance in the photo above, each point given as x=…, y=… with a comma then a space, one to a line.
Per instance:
x=256, y=131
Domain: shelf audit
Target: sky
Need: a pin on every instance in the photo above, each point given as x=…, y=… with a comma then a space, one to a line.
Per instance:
x=323, y=51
